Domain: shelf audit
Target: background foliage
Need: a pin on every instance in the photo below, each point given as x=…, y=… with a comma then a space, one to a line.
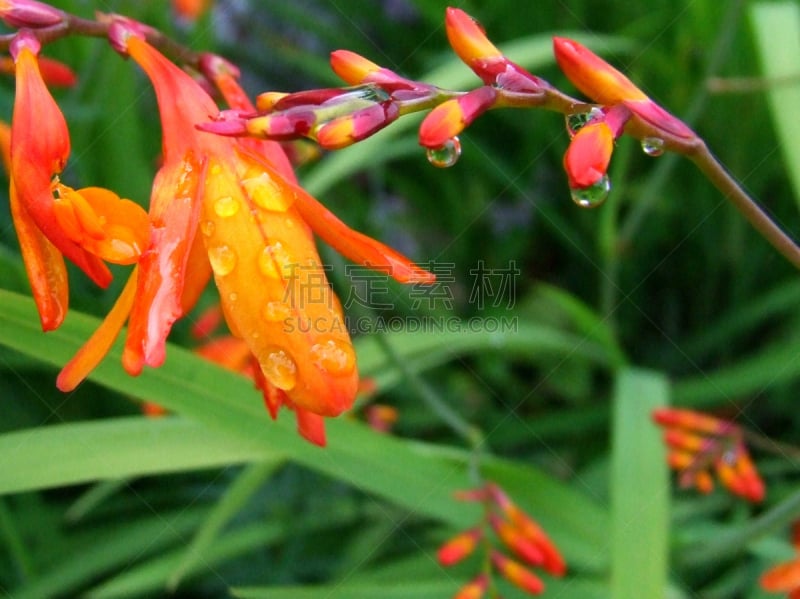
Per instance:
x=663, y=295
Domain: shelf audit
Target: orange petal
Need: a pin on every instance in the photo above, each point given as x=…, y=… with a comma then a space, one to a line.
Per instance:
x=274, y=290
x=517, y=574
x=40, y=147
x=43, y=262
x=311, y=426
x=782, y=578
x=468, y=39
x=587, y=157
x=592, y=75
x=98, y=345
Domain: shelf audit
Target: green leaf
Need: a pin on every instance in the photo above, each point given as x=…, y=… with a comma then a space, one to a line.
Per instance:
x=640, y=488
x=225, y=423
x=776, y=26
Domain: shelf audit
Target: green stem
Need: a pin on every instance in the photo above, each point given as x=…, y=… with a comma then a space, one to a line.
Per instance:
x=764, y=443
x=731, y=189
x=728, y=544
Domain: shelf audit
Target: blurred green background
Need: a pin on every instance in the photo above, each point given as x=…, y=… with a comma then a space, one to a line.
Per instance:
x=663, y=295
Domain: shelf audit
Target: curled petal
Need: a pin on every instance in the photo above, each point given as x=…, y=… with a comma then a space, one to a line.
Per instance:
x=44, y=264
x=40, y=147
x=685, y=441
x=107, y=226
x=174, y=215
x=451, y=117
x=588, y=155
x=592, y=75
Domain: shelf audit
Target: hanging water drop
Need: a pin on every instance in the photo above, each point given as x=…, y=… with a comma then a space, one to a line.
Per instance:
x=446, y=155
x=653, y=146
x=594, y=195
x=578, y=120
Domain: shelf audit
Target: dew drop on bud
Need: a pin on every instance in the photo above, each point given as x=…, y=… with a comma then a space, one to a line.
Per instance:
x=592, y=196
x=578, y=120
x=446, y=155
x=653, y=146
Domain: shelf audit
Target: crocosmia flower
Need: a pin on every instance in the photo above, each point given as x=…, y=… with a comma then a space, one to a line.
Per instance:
x=231, y=208
x=88, y=226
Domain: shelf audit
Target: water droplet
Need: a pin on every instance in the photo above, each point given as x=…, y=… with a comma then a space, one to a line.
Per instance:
x=289, y=223
x=233, y=296
x=279, y=369
x=266, y=193
x=446, y=155
x=222, y=259
x=226, y=206
x=578, y=120
x=653, y=146
x=276, y=312
x=274, y=260
x=334, y=356
x=207, y=227
x=594, y=195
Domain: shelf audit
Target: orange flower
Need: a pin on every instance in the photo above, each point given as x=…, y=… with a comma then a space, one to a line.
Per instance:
x=698, y=442
x=587, y=157
x=451, y=117
x=39, y=148
x=605, y=85
x=87, y=225
x=474, y=589
x=459, y=547
x=255, y=236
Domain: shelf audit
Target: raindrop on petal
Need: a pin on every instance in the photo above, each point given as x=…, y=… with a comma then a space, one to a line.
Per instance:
x=446, y=155
x=280, y=369
x=274, y=261
x=207, y=227
x=578, y=120
x=226, y=206
x=276, y=311
x=222, y=259
x=594, y=195
x=334, y=356
x=653, y=146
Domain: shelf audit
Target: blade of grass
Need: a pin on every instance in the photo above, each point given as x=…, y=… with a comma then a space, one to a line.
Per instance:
x=639, y=488
x=776, y=28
